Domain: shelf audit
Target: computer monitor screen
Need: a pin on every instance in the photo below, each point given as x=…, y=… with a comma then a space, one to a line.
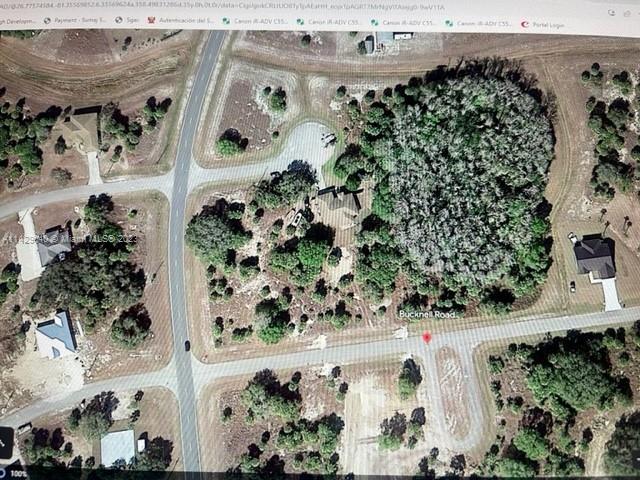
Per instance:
x=365, y=239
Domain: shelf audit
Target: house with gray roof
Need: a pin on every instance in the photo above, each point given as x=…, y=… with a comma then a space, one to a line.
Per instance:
x=55, y=337
x=595, y=255
x=339, y=201
x=53, y=245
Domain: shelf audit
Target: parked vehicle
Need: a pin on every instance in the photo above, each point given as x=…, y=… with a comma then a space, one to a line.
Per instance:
x=187, y=346
x=572, y=287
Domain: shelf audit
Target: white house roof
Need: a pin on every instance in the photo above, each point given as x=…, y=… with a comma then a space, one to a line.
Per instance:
x=55, y=337
x=116, y=447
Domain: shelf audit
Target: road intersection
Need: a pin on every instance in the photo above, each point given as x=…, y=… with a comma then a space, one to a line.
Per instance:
x=186, y=376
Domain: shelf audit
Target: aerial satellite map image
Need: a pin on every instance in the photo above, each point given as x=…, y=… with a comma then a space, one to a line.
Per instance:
x=338, y=253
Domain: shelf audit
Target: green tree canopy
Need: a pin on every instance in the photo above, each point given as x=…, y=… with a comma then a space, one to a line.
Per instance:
x=624, y=446
x=214, y=234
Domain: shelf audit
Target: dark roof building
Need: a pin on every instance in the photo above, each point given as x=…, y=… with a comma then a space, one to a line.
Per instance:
x=53, y=244
x=340, y=201
x=595, y=256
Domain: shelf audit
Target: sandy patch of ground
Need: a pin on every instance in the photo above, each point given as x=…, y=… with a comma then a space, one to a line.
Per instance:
x=372, y=397
x=43, y=377
x=242, y=109
x=454, y=392
x=10, y=232
x=323, y=44
x=345, y=267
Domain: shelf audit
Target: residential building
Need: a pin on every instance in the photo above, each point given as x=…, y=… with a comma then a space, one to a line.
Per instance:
x=595, y=257
x=81, y=129
x=55, y=337
x=54, y=244
x=117, y=448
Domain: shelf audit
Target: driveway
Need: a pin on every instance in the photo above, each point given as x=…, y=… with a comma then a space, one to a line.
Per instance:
x=27, y=248
x=611, y=301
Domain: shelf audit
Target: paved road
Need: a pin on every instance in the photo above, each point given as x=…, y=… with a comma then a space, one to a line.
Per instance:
x=182, y=360
x=162, y=183
x=464, y=342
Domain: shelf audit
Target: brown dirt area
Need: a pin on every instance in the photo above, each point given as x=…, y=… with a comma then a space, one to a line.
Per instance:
x=240, y=85
x=93, y=47
x=454, y=392
x=158, y=418
x=149, y=67
x=425, y=50
x=372, y=396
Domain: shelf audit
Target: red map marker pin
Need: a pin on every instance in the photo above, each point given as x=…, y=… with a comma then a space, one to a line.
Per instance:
x=426, y=337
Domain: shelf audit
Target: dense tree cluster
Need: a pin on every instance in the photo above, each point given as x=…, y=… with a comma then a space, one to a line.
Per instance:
x=273, y=319
x=155, y=458
x=575, y=372
x=8, y=281
x=127, y=132
x=608, y=120
x=132, y=327
x=409, y=379
x=21, y=135
x=264, y=397
x=95, y=419
x=315, y=443
x=622, y=448
x=567, y=375
x=217, y=232
x=392, y=432
x=43, y=448
x=593, y=77
x=231, y=143
x=609, y=126
x=97, y=277
x=460, y=162
x=287, y=187
x=153, y=113
x=469, y=177
x=276, y=99
x=302, y=259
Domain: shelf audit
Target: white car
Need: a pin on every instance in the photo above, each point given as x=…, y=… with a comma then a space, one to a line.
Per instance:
x=572, y=236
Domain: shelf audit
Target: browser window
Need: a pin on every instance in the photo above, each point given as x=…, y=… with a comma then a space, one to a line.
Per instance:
x=270, y=239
